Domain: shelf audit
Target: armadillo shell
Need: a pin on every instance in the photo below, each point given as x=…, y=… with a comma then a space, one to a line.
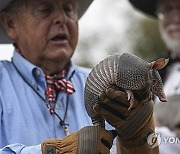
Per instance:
x=132, y=72
x=126, y=71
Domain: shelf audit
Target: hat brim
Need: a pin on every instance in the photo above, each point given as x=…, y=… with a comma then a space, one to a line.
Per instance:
x=4, y=39
x=146, y=6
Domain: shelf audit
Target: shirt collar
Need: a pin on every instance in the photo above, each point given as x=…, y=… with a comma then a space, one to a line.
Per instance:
x=26, y=69
x=32, y=73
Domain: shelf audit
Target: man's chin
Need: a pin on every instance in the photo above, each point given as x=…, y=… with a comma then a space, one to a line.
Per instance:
x=172, y=41
x=61, y=53
x=174, y=45
x=174, y=35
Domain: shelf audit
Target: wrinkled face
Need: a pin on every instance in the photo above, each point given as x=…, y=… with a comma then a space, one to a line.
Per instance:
x=47, y=30
x=156, y=85
x=169, y=23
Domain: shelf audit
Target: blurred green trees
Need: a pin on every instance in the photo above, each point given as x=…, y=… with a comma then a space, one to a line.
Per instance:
x=112, y=26
x=149, y=44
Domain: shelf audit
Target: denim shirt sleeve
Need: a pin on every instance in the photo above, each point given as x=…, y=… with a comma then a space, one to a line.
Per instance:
x=21, y=149
x=16, y=148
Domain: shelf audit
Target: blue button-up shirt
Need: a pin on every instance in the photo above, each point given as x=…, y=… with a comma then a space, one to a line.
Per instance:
x=25, y=121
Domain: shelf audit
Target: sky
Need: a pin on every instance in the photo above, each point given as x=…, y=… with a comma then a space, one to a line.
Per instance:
x=101, y=16
x=6, y=52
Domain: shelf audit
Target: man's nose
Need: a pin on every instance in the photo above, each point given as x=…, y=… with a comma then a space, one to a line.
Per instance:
x=60, y=17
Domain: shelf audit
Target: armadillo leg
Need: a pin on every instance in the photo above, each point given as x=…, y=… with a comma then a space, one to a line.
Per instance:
x=130, y=98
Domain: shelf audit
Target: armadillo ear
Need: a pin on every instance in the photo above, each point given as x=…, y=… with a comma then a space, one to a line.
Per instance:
x=159, y=63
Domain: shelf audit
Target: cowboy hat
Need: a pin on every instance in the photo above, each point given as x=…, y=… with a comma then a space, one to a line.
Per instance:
x=146, y=6
x=4, y=39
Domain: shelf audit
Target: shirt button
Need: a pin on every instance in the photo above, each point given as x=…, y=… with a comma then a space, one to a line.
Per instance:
x=33, y=83
x=38, y=72
x=57, y=106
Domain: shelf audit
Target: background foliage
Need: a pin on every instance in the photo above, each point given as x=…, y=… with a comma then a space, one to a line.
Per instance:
x=112, y=26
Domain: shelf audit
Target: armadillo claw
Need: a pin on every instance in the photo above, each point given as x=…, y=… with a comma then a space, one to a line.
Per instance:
x=130, y=98
x=128, y=94
x=131, y=104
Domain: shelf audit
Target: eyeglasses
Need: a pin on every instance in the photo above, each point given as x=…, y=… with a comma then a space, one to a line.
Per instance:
x=167, y=12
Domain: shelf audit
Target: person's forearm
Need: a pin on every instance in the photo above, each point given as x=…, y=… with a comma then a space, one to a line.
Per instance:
x=21, y=149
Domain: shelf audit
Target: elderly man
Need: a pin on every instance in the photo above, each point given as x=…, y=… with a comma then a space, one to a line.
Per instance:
x=41, y=95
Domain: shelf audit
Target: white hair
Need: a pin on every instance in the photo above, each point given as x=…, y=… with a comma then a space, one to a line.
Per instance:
x=173, y=44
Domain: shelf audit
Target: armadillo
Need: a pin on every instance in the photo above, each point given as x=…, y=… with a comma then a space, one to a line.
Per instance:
x=128, y=72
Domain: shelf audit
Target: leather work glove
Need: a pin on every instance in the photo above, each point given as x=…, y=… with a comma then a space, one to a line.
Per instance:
x=88, y=140
x=133, y=126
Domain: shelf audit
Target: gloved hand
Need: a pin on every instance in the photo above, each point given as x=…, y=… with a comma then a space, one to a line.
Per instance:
x=88, y=140
x=133, y=126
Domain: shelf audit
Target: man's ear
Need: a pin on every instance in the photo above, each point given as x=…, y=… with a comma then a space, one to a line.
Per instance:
x=7, y=21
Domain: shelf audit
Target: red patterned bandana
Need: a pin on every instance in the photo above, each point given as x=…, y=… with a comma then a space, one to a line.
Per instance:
x=55, y=84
